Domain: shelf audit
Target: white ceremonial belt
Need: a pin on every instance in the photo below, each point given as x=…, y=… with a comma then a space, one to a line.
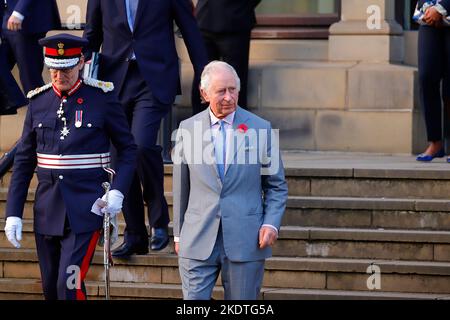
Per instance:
x=76, y=161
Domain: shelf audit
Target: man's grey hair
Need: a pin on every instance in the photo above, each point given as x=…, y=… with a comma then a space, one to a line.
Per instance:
x=213, y=66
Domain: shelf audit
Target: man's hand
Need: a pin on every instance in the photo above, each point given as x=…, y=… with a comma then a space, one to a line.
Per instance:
x=14, y=23
x=115, y=200
x=177, y=247
x=432, y=17
x=13, y=230
x=267, y=237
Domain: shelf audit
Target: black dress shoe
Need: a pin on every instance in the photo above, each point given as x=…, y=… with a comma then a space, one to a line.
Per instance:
x=160, y=238
x=125, y=250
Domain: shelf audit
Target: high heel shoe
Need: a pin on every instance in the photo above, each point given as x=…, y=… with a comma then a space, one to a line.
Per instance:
x=427, y=158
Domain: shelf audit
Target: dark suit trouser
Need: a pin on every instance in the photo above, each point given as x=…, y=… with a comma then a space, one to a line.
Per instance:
x=144, y=113
x=434, y=69
x=25, y=51
x=11, y=97
x=232, y=48
x=61, y=260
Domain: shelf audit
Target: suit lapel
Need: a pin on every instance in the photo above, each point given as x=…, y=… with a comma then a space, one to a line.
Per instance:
x=200, y=5
x=122, y=7
x=140, y=9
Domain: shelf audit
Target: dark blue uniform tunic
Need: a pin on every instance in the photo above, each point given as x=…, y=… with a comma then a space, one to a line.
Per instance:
x=66, y=229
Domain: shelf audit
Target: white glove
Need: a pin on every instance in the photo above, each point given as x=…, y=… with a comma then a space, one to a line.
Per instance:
x=13, y=230
x=115, y=199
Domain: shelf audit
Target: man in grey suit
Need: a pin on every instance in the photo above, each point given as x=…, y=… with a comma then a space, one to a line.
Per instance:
x=227, y=213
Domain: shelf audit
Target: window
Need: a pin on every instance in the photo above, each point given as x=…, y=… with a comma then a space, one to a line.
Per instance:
x=295, y=19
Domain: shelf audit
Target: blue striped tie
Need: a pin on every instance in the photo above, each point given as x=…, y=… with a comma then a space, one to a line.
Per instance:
x=220, y=149
x=131, y=14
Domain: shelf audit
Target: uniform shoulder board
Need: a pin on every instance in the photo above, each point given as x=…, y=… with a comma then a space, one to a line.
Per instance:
x=39, y=90
x=104, y=85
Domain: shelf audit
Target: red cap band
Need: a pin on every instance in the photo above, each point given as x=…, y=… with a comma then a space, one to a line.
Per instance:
x=62, y=52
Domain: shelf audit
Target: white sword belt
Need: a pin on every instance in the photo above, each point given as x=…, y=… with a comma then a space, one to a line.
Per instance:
x=76, y=161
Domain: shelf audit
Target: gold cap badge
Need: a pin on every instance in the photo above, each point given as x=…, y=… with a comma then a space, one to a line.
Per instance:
x=61, y=49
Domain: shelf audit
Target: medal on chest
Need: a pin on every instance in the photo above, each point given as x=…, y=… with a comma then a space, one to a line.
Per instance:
x=60, y=113
x=78, y=118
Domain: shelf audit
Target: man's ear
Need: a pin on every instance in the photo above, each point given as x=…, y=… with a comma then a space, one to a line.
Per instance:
x=81, y=63
x=204, y=95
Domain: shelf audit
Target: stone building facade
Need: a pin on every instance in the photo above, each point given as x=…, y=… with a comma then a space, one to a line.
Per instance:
x=348, y=86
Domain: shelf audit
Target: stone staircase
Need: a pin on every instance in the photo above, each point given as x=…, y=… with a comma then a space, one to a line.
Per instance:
x=346, y=215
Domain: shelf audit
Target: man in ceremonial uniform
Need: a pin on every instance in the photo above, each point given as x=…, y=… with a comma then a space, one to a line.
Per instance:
x=67, y=132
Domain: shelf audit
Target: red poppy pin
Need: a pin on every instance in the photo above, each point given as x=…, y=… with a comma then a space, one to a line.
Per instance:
x=242, y=128
x=80, y=100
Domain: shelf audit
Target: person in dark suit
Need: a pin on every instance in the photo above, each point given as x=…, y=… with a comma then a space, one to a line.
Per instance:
x=226, y=27
x=11, y=97
x=24, y=23
x=434, y=68
x=67, y=132
x=139, y=56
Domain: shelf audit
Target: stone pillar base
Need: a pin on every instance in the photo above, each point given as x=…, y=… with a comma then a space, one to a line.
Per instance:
x=368, y=49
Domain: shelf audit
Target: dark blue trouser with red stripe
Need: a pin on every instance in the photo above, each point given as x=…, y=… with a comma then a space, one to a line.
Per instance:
x=64, y=262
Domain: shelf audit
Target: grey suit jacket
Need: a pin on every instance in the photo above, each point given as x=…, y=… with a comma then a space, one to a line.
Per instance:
x=246, y=199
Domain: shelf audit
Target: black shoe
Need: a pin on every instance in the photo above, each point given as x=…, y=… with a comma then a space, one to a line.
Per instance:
x=160, y=238
x=125, y=250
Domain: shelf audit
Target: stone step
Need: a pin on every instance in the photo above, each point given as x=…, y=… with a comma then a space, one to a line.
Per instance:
x=363, y=243
x=29, y=289
x=287, y=273
x=308, y=294
x=330, y=243
x=349, y=174
x=164, y=259
x=6, y=180
x=376, y=183
x=335, y=179
x=28, y=209
x=28, y=241
x=12, y=288
x=346, y=212
x=354, y=212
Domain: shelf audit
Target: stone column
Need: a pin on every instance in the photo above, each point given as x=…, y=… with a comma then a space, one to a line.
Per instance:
x=367, y=32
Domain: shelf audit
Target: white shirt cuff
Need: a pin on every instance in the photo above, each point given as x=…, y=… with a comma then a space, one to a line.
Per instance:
x=271, y=226
x=440, y=8
x=20, y=16
x=176, y=239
